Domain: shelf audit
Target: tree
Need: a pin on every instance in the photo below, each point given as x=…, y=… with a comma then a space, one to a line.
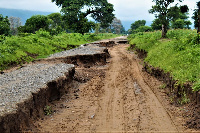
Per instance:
x=179, y=16
x=100, y=10
x=162, y=11
x=156, y=24
x=180, y=24
x=144, y=29
x=56, y=23
x=123, y=31
x=97, y=28
x=196, y=17
x=4, y=25
x=177, y=19
x=15, y=22
x=136, y=25
x=35, y=23
x=83, y=26
x=116, y=26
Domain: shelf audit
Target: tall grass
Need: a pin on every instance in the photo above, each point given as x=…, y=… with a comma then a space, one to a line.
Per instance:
x=28, y=47
x=179, y=54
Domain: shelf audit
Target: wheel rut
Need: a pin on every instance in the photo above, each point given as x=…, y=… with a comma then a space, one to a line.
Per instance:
x=117, y=99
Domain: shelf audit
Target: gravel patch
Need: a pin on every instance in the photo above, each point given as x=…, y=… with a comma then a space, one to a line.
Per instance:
x=82, y=50
x=17, y=86
x=20, y=88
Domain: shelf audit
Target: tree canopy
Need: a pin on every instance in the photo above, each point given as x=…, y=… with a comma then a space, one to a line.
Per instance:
x=4, y=25
x=15, y=22
x=35, y=23
x=139, y=26
x=178, y=18
x=76, y=12
x=196, y=17
x=156, y=24
x=56, y=23
x=162, y=10
x=117, y=27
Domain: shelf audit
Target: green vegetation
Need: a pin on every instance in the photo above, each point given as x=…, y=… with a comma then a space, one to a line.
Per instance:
x=44, y=35
x=164, y=11
x=48, y=110
x=163, y=86
x=178, y=53
x=115, y=27
x=26, y=46
x=35, y=23
x=139, y=26
x=196, y=17
x=4, y=25
x=100, y=10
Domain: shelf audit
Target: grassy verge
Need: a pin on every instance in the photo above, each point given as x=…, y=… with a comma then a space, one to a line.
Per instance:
x=179, y=54
x=28, y=47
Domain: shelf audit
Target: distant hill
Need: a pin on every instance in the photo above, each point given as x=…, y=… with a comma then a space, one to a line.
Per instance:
x=23, y=14
x=26, y=14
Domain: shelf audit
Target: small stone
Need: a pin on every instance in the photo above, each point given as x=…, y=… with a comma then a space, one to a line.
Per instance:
x=92, y=116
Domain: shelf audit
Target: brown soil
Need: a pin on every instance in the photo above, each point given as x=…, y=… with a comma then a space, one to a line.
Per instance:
x=118, y=97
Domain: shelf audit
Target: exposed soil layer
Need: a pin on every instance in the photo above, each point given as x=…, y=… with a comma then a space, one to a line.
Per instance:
x=176, y=92
x=23, y=96
x=26, y=91
x=99, y=95
x=118, y=97
x=86, y=56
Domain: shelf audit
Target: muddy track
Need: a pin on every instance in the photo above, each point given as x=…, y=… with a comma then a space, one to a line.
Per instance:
x=119, y=97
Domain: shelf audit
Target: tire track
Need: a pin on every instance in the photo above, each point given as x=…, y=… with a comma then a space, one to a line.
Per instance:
x=119, y=101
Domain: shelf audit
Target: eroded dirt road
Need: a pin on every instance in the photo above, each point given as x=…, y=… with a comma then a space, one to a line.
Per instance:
x=117, y=99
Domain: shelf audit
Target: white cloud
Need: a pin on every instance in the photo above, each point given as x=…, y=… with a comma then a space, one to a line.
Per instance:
x=126, y=10
x=132, y=9
x=35, y=5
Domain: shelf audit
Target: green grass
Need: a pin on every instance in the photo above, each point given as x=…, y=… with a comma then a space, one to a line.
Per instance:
x=179, y=54
x=28, y=47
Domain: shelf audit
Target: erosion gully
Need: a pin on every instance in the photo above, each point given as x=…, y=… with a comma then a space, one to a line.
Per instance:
x=115, y=97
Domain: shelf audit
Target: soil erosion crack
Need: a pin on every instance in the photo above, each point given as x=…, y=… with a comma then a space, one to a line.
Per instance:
x=115, y=99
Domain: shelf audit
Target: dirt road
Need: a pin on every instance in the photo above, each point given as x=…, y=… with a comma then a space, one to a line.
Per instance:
x=117, y=99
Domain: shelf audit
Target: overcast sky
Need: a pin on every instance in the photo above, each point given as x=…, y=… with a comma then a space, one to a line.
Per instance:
x=125, y=10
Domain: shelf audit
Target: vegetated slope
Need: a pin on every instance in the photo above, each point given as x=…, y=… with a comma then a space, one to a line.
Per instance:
x=179, y=54
x=27, y=47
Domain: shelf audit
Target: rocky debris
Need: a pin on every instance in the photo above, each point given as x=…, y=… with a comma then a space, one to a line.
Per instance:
x=83, y=50
x=84, y=56
x=112, y=42
x=25, y=92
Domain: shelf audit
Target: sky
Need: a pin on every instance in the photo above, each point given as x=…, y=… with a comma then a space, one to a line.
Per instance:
x=125, y=10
